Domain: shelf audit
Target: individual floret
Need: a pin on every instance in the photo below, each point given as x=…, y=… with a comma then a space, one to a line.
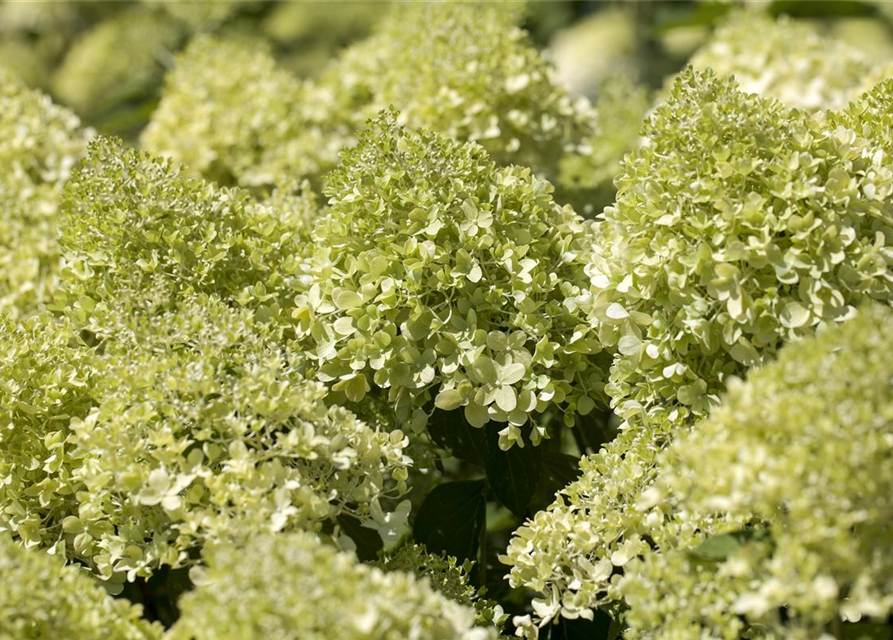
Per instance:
x=39, y=145
x=438, y=276
x=739, y=225
x=785, y=60
x=40, y=598
x=804, y=445
x=294, y=587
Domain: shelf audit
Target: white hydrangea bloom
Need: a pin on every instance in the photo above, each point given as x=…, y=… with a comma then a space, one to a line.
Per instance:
x=293, y=587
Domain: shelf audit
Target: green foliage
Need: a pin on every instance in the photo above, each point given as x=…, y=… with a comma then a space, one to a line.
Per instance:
x=39, y=144
x=190, y=429
x=740, y=225
x=40, y=598
x=293, y=586
x=201, y=15
x=804, y=446
x=438, y=276
x=786, y=60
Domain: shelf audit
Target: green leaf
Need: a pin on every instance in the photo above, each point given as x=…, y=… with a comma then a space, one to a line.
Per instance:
x=716, y=548
x=452, y=518
x=513, y=474
x=451, y=431
x=368, y=541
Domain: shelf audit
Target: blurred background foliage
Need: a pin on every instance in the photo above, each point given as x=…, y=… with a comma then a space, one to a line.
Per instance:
x=107, y=61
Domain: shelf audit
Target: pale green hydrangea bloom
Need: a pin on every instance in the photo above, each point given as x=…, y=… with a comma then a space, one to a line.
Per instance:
x=191, y=428
x=39, y=145
x=805, y=446
x=466, y=71
x=574, y=552
x=787, y=217
x=134, y=224
x=447, y=576
x=469, y=72
x=40, y=598
x=739, y=225
x=231, y=114
x=119, y=59
x=206, y=429
x=438, y=276
x=294, y=587
x=786, y=60
x=45, y=382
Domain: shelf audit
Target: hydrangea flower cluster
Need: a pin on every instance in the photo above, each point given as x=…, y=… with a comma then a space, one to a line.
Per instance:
x=446, y=576
x=738, y=226
x=292, y=587
x=39, y=145
x=439, y=276
x=231, y=114
x=135, y=228
x=473, y=76
x=574, y=553
x=797, y=246
x=804, y=445
x=41, y=598
x=786, y=60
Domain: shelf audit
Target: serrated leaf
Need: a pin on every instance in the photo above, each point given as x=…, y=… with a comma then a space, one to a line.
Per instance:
x=513, y=474
x=452, y=518
x=451, y=431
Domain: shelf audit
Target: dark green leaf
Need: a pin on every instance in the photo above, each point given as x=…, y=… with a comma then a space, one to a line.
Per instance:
x=451, y=519
x=513, y=474
x=368, y=541
x=599, y=628
x=558, y=470
x=451, y=431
